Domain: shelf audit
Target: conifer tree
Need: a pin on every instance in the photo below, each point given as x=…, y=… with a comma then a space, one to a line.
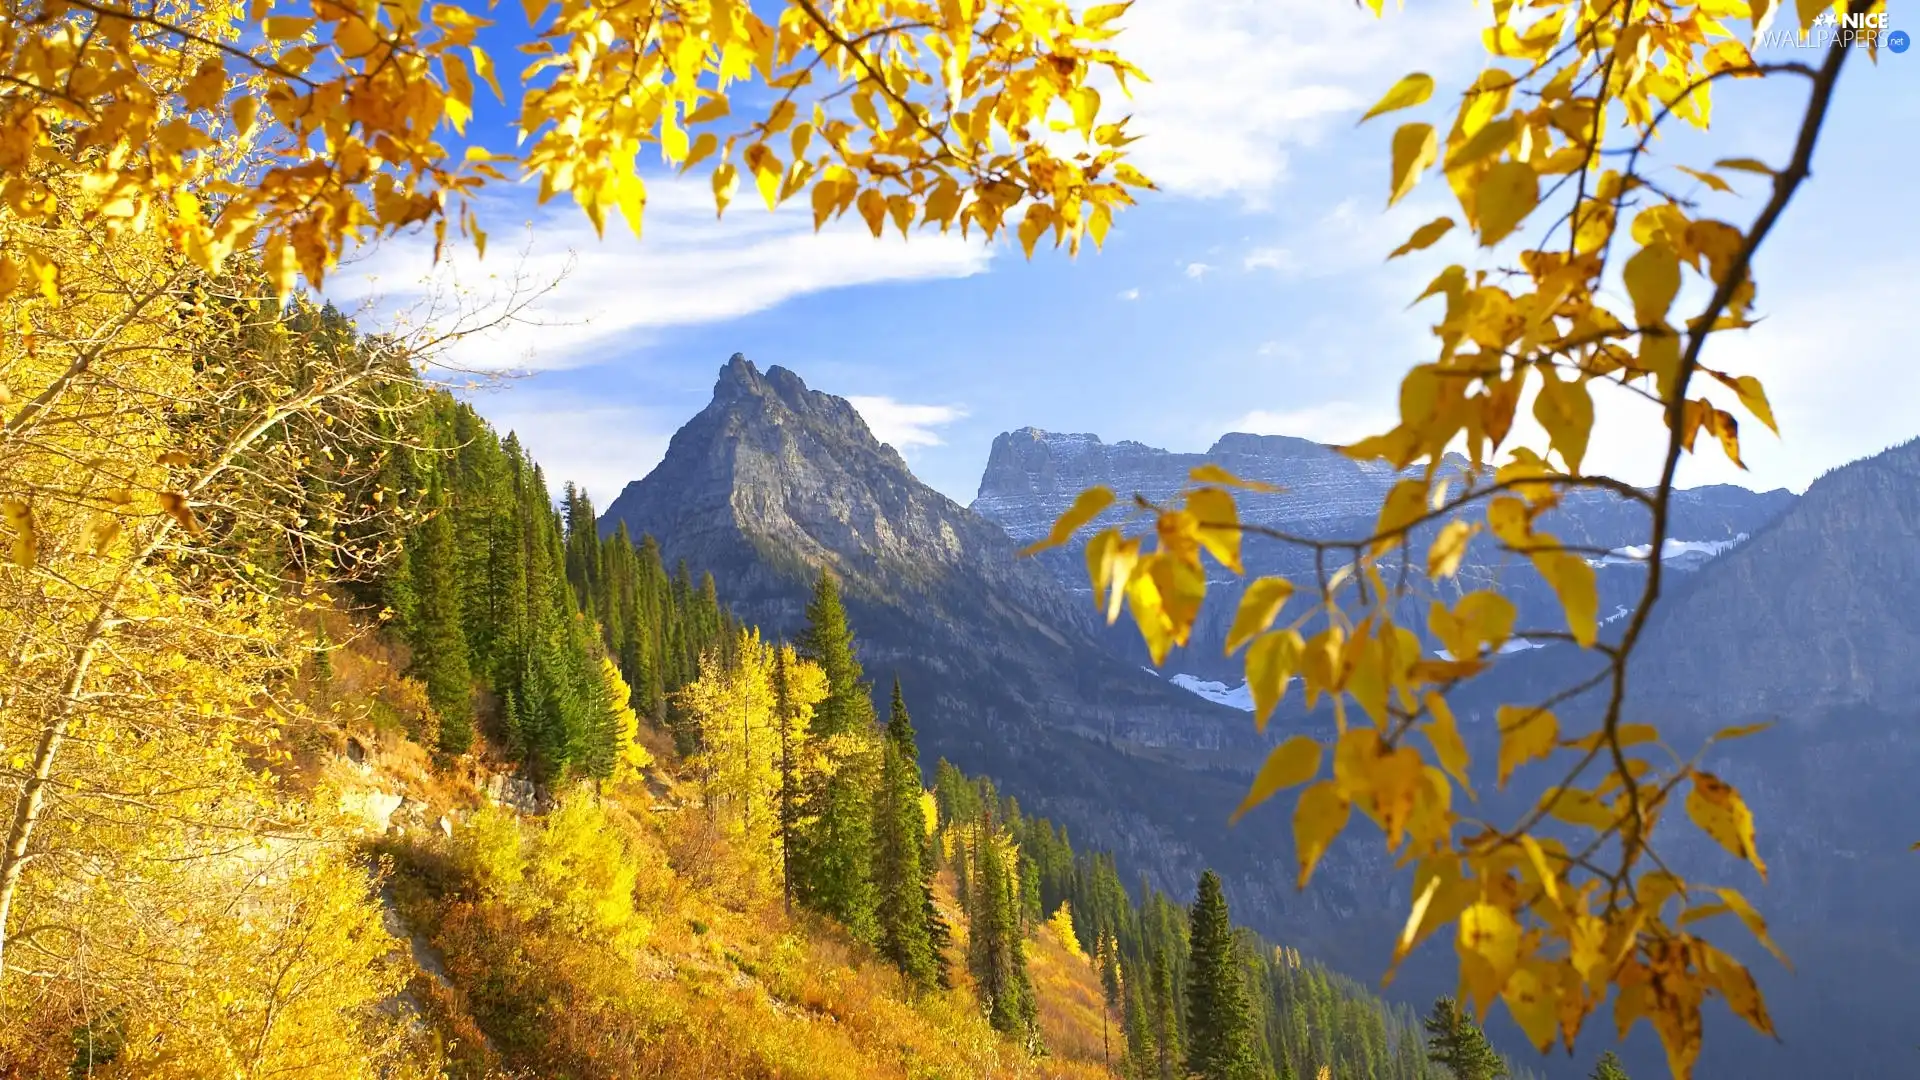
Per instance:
x=1456, y=1042
x=1609, y=1068
x=899, y=836
x=435, y=631
x=1220, y=1022
x=1168, y=1055
x=835, y=852
x=1143, y=1055
x=995, y=952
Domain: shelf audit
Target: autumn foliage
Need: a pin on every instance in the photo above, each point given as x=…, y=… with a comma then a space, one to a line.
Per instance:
x=1553, y=156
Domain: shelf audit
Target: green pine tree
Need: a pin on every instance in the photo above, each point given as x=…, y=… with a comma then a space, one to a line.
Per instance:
x=1220, y=1020
x=1609, y=1068
x=834, y=855
x=1168, y=1057
x=435, y=632
x=1143, y=1055
x=995, y=953
x=899, y=836
x=1456, y=1042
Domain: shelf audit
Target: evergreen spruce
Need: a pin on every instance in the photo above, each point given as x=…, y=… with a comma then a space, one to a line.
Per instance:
x=1609, y=1068
x=1456, y=1042
x=435, y=631
x=835, y=851
x=1220, y=1021
x=995, y=954
x=1168, y=1057
x=899, y=835
x=1143, y=1055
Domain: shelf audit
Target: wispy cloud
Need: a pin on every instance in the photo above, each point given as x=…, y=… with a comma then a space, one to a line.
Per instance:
x=1330, y=422
x=903, y=425
x=1198, y=270
x=1130, y=294
x=689, y=270
x=598, y=446
x=1236, y=83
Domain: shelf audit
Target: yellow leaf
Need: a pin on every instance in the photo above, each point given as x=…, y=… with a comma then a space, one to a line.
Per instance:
x=1317, y=818
x=1708, y=178
x=1038, y=218
x=1740, y=731
x=1652, y=278
x=1110, y=562
x=1259, y=605
x=26, y=539
x=1526, y=734
x=1444, y=735
x=1578, y=807
x=1744, y=164
x=710, y=110
x=1755, y=925
x=1443, y=557
x=767, y=172
x=1489, y=947
x=1752, y=396
x=1405, y=504
x=1271, y=661
x=1414, y=148
x=483, y=66
x=1719, y=811
x=1209, y=473
x=1736, y=984
x=245, y=108
x=1565, y=411
x=1489, y=141
x=1424, y=237
x=1572, y=579
x=1408, y=92
x=1218, y=528
x=285, y=27
x=1503, y=198
x=175, y=505
x=1537, y=858
x=1085, y=101
x=1086, y=506
x=1291, y=764
x=724, y=183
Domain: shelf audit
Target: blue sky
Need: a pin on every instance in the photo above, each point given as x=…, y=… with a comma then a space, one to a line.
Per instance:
x=1250, y=294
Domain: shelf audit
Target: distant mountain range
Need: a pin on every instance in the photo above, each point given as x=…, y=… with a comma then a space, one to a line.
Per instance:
x=1804, y=609
x=1032, y=476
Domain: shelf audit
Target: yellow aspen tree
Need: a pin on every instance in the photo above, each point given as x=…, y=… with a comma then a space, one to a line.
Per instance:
x=739, y=761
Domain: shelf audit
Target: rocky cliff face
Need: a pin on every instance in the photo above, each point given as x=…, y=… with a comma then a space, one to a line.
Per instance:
x=1032, y=476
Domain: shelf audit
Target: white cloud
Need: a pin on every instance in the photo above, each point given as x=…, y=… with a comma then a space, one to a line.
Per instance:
x=689, y=270
x=1328, y=422
x=1197, y=270
x=902, y=425
x=597, y=446
x=1130, y=294
x=1235, y=83
x=1270, y=258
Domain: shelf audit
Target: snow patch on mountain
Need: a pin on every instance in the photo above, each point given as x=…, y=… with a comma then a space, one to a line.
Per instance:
x=1239, y=697
x=1670, y=551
